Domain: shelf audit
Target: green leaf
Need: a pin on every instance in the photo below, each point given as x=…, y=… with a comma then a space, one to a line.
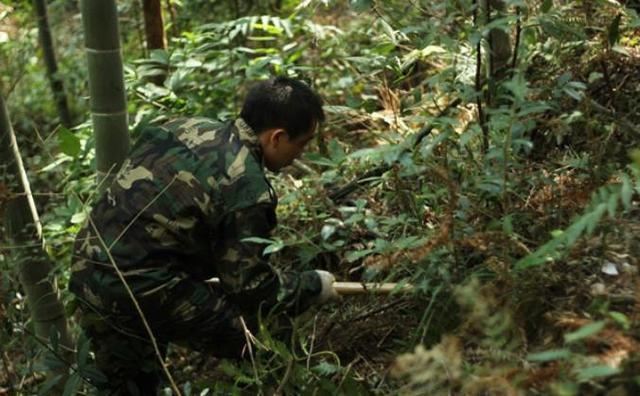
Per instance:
x=235, y=372
x=83, y=350
x=54, y=338
x=72, y=386
x=621, y=319
x=259, y=240
x=327, y=231
x=546, y=6
x=547, y=356
x=275, y=247
x=592, y=372
x=68, y=142
x=357, y=254
x=594, y=217
x=614, y=30
x=584, y=332
x=335, y=151
x=595, y=76
x=318, y=159
x=53, y=363
x=361, y=5
x=186, y=389
x=47, y=387
x=612, y=205
x=575, y=94
x=93, y=374
x=78, y=218
x=621, y=50
x=159, y=55
x=326, y=368
x=466, y=137
x=626, y=191
x=507, y=224
x=374, y=153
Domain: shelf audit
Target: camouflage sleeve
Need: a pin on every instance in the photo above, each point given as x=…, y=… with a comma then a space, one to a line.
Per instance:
x=246, y=275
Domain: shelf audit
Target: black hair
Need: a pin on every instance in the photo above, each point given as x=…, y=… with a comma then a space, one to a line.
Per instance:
x=282, y=102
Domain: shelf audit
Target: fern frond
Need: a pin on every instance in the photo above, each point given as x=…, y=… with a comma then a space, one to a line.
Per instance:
x=607, y=200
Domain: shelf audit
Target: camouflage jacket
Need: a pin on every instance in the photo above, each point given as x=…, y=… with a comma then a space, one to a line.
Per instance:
x=181, y=207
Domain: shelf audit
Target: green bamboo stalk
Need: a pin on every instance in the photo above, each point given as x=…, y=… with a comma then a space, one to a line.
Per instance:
x=24, y=232
x=48, y=53
x=106, y=86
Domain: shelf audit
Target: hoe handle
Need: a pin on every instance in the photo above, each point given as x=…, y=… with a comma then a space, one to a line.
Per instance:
x=350, y=288
x=353, y=288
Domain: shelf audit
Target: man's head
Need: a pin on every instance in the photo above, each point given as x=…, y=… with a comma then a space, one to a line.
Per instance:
x=284, y=113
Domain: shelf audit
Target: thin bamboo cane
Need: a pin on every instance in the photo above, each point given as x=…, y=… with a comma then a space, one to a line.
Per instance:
x=23, y=229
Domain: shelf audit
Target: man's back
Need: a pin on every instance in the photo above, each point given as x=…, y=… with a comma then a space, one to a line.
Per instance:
x=161, y=218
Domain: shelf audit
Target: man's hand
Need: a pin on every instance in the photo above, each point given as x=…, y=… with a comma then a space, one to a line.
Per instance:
x=328, y=292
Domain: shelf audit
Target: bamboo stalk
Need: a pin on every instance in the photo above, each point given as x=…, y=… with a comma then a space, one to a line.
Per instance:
x=106, y=86
x=355, y=288
x=48, y=53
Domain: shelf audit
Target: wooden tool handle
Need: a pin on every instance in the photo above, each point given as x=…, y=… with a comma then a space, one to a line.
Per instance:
x=352, y=288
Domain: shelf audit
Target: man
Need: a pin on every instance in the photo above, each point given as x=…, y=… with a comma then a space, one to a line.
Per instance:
x=180, y=212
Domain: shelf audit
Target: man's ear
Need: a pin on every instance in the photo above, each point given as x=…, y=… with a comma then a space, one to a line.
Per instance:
x=277, y=136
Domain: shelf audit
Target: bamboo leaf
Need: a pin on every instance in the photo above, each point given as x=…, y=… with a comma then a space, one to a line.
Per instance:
x=54, y=338
x=595, y=216
x=275, y=247
x=258, y=240
x=47, y=387
x=614, y=30
x=626, y=191
x=53, y=362
x=72, y=386
x=83, y=351
x=550, y=355
x=592, y=372
x=93, y=374
x=584, y=332
x=612, y=205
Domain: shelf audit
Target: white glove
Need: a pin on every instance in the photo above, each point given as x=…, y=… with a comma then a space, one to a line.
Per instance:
x=328, y=292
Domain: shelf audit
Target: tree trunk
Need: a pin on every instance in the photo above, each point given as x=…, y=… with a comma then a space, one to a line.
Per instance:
x=57, y=85
x=106, y=86
x=154, y=30
x=499, y=40
x=24, y=232
x=154, y=25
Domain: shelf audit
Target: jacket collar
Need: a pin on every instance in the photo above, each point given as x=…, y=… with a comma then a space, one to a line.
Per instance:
x=249, y=138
